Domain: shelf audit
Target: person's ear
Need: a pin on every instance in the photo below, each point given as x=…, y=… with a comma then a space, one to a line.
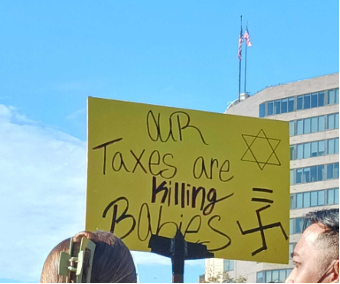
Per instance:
x=335, y=274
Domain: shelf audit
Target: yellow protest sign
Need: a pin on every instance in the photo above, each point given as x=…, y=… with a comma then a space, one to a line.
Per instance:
x=223, y=180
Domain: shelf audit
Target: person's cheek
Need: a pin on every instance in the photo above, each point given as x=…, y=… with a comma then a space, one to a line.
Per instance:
x=305, y=276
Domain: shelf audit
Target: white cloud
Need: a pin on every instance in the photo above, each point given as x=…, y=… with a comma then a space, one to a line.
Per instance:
x=10, y=113
x=5, y=112
x=76, y=114
x=42, y=189
x=42, y=186
x=77, y=118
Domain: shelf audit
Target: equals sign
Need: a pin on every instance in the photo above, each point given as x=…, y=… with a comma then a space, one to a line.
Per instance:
x=262, y=199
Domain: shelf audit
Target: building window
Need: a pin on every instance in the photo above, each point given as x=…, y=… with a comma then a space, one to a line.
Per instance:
x=292, y=174
x=306, y=175
x=321, y=99
x=333, y=171
x=291, y=128
x=312, y=199
x=298, y=176
x=336, y=195
x=316, y=173
x=292, y=151
x=333, y=196
x=284, y=273
x=306, y=125
x=299, y=101
x=330, y=146
x=331, y=97
x=228, y=265
x=299, y=200
x=291, y=226
x=272, y=276
x=336, y=170
x=330, y=196
x=321, y=123
x=321, y=172
x=269, y=276
x=277, y=108
x=333, y=121
x=314, y=149
x=306, y=200
x=299, y=127
x=270, y=108
x=314, y=124
x=321, y=198
x=275, y=275
x=262, y=110
x=290, y=104
x=292, y=202
x=330, y=171
x=284, y=105
x=306, y=101
x=296, y=226
x=336, y=145
x=330, y=121
x=259, y=277
x=299, y=151
x=307, y=151
x=302, y=102
x=314, y=100
x=321, y=146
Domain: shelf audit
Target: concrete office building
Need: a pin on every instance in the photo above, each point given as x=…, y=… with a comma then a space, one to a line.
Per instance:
x=312, y=108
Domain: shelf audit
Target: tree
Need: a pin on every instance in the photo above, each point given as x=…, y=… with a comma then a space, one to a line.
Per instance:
x=224, y=277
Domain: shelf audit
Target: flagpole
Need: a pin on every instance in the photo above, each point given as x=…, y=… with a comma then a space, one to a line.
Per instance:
x=245, y=64
x=239, y=70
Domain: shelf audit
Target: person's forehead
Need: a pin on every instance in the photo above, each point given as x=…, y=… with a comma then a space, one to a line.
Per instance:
x=305, y=244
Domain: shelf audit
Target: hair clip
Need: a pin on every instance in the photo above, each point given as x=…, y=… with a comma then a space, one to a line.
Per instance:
x=67, y=261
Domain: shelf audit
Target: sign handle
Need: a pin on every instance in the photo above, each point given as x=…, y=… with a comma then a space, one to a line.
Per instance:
x=178, y=251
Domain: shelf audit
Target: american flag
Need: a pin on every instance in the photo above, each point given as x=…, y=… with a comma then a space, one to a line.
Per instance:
x=240, y=40
x=247, y=37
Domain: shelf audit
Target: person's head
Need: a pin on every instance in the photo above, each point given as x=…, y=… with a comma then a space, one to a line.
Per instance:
x=316, y=255
x=112, y=260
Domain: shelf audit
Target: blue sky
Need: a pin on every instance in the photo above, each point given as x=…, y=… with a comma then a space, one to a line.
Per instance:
x=174, y=53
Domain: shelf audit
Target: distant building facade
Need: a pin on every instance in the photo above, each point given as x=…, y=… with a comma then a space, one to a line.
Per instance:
x=312, y=108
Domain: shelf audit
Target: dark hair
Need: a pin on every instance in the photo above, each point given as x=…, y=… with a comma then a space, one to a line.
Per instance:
x=329, y=218
x=112, y=261
x=329, y=239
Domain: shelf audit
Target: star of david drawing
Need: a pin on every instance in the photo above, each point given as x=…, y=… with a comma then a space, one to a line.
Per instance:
x=261, y=150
